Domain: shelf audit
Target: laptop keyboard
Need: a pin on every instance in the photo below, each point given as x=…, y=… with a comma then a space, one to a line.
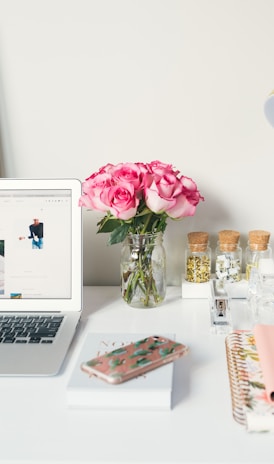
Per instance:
x=29, y=329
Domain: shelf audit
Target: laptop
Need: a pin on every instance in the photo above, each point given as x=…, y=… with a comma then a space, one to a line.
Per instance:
x=40, y=273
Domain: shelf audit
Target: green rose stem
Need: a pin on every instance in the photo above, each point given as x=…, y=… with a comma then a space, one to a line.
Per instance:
x=149, y=216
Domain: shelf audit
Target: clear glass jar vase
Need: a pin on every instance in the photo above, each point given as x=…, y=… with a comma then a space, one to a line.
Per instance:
x=143, y=270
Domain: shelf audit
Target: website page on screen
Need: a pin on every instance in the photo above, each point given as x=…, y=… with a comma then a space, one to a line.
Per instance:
x=35, y=244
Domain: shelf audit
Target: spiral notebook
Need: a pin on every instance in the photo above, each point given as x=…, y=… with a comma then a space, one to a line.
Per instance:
x=251, y=406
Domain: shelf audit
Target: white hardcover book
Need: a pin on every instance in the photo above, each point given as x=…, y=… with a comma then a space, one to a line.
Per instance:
x=151, y=391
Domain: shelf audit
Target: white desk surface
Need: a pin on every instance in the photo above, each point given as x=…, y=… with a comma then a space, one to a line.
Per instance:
x=36, y=425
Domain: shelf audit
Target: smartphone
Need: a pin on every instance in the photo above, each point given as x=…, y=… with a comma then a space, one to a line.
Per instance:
x=137, y=358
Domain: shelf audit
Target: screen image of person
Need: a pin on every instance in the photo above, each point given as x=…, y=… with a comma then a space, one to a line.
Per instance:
x=36, y=234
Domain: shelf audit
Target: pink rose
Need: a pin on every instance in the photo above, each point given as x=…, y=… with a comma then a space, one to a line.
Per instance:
x=159, y=196
x=121, y=200
x=191, y=191
x=106, y=168
x=157, y=169
x=129, y=172
x=176, y=197
x=92, y=189
x=146, y=191
x=187, y=200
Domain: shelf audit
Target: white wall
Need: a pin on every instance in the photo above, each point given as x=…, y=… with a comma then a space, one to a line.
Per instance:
x=86, y=82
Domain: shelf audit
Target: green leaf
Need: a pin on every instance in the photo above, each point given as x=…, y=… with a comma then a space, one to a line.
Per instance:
x=119, y=234
x=108, y=225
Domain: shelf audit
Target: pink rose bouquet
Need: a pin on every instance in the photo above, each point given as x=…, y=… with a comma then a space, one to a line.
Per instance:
x=138, y=198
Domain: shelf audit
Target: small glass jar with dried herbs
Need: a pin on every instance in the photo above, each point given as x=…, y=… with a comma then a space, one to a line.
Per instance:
x=228, y=257
x=198, y=258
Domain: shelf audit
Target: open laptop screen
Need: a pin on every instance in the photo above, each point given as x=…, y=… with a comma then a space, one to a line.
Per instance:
x=35, y=243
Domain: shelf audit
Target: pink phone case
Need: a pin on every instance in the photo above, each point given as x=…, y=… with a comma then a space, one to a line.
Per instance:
x=137, y=358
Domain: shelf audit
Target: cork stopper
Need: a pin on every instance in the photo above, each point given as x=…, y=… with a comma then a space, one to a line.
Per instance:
x=228, y=239
x=258, y=239
x=197, y=241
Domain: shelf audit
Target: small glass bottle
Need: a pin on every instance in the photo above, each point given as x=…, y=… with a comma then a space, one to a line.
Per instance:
x=228, y=259
x=198, y=258
x=257, y=248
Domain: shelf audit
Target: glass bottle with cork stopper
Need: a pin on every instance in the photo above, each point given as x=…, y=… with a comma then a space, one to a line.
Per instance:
x=228, y=263
x=198, y=258
x=257, y=248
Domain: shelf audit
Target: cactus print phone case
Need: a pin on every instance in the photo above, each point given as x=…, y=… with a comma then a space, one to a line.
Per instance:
x=137, y=358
